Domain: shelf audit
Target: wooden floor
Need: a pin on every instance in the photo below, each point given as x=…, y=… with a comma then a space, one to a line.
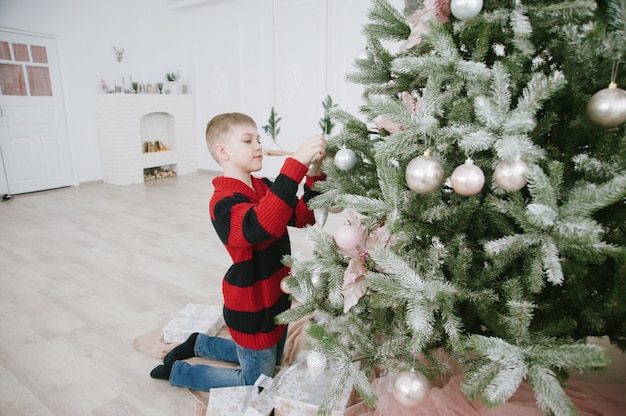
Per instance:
x=84, y=271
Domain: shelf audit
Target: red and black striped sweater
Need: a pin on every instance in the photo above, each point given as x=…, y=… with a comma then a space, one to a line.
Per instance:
x=252, y=225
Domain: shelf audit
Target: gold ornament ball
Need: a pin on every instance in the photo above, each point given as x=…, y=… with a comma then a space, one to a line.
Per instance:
x=424, y=174
x=510, y=175
x=410, y=388
x=467, y=179
x=607, y=107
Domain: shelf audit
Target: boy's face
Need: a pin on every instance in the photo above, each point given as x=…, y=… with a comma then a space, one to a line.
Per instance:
x=243, y=149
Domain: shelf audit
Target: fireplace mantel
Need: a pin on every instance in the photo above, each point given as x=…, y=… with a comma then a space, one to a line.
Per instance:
x=125, y=122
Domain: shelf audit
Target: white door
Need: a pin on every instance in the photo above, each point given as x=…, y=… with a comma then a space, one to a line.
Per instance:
x=33, y=131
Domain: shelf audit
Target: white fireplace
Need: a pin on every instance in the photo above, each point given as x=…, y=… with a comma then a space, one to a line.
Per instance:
x=125, y=123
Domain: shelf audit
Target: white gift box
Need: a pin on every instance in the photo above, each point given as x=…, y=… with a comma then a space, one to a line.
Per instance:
x=299, y=393
x=195, y=317
x=239, y=401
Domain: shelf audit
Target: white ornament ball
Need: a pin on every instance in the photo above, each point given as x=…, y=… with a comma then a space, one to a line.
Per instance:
x=465, y=9
x=410, y=388
x=345, y=159
x=316, y=279
x=607, y=107
x=284, y=286
x=347, y=236
x=510, y=175
x=364, y=55
x=424, y=174
x=316, y=363
x=467, y=179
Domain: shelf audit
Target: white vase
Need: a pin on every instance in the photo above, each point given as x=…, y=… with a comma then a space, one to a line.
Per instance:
x=173, y=87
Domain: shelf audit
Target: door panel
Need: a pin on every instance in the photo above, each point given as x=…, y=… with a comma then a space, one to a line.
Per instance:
x=33, y=129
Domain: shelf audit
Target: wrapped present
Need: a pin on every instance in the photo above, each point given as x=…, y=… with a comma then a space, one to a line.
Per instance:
x=299, y=393
x=195, y=317
x=240, y=401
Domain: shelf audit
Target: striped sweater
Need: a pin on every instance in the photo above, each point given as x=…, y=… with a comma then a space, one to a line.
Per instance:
x=252, y=225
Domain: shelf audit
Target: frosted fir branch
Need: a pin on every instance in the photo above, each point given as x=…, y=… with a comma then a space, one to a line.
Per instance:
x=539, y=89
x=588, y=198
x=500, y=98
x=323, y=244
x=363, y=204
x=541, y=216
x=487, y=111
x=511, y=147
x=564, y=10
x=512, y=246
x=549, y=394
x=477, y=379
x=580, y=230
x=519, y=318
x=522, y=31
x=389, y=23
x=477, y=141
x=551, y=263
x=335, y=288
x=420, y=318
x=543, y=192
x=617, y=23
x=294, y=314
x=507, y=380
x=579, y=356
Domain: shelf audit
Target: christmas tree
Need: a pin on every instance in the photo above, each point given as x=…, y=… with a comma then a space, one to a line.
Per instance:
x=485, y=178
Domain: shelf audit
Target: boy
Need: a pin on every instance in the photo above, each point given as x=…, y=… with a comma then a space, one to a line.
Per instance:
x=250, y=216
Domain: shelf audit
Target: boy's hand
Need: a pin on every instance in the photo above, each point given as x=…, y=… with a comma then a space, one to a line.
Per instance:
x=312, y=149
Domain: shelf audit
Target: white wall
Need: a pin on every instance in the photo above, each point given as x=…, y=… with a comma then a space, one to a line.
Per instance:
x=236, y=55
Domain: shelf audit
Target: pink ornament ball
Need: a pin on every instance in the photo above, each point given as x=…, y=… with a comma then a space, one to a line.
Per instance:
x=467, y=179
x=510, y=175
x=347, y=236
x=410, y=388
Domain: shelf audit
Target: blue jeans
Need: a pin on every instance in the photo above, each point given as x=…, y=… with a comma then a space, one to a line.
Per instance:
x=203, y=377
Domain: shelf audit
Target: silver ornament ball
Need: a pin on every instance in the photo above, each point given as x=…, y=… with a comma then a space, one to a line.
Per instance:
x=607, y=107
x=364, y=55
x=345, y=159
x=467, y=179
x=316, y=363
x=410, y=388
x=424, y=174
x=510, y=175
x=465, y=9
x=316, y=279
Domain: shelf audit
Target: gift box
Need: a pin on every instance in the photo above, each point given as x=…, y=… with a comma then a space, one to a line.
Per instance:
x=195, y=317
x=299, y=393
x=239, y=401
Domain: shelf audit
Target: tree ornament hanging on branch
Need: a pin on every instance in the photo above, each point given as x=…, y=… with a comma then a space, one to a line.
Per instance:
x=607, y=107
x=345, y=159
x=465, y=9
x=320, y=215
x=467, y=179
x=410, y=388
x=347, y=236
x=424, y=174
x=364, y=55
x=316, y=362
x=284, y=286
x=510, y=175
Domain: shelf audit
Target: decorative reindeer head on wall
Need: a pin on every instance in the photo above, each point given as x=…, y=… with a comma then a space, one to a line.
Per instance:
x=120, y=53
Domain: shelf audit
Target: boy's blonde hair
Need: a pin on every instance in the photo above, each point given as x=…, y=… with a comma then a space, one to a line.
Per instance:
x=218, y=128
